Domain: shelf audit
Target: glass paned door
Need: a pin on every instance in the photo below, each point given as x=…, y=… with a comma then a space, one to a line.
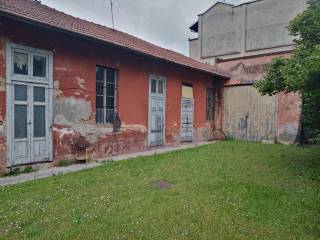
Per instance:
x=29, y=77
x=30, y=123
x=21, y=126
x=156, y=111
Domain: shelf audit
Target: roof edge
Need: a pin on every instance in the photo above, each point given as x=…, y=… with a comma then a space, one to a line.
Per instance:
x=231, y=5
x=108, y=43
x=214, y=5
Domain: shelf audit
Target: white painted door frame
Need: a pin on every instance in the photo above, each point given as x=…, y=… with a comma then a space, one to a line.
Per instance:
x=30, y=81
x=159, y=99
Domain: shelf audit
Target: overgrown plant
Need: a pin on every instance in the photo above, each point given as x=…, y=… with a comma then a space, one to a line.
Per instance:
x=17, y=171
x=301, y=72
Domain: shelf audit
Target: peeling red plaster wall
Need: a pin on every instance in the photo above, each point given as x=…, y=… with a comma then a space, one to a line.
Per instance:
x=74, y=62
x=289, y=116
x=247, y=70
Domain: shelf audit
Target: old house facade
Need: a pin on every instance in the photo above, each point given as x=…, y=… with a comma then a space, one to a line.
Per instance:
x=242, y=40
x=66, y=82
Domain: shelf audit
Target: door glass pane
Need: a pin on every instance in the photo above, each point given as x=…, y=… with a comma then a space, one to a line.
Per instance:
x=39, y=66
x=160, y=87
x=110, y=90
x=100, y=115
x=100, y=74
x=20, y=121
x=39, y=94
x=154, y=86
x=20, y=92
x=99, y=101
x=39, y=117
x=99, y=88
x=111, y=75
x=110, y=116
x=20, y=62
x=109, y=102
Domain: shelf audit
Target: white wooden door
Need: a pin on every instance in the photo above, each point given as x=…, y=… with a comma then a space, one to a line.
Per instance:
x=21, y=128
x=187, y=112
x=156, y=131
x=29, y=93
x=30, y=123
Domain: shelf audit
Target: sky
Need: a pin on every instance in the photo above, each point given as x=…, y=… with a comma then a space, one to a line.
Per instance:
x=162, y=22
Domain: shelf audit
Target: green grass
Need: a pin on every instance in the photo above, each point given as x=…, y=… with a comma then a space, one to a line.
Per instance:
x=229, y=190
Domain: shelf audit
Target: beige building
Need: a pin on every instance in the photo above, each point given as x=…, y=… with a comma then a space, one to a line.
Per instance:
x=242, y=40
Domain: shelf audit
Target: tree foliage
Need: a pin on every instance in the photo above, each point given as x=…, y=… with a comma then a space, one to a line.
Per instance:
x=301, y=72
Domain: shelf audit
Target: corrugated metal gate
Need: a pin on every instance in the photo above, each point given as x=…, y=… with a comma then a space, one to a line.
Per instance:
x=187, y=119
x=248, y=115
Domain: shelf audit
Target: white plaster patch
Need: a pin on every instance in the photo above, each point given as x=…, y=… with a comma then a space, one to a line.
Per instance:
x=68, y=111
x=139, y=128
x=63, y=131
x=60, y=69
x=288, y=133
x=76, y=113
x=80, y=82
x=56, y=89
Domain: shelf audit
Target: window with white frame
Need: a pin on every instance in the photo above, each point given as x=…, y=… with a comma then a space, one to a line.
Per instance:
x=27, y=64
x=105, y=95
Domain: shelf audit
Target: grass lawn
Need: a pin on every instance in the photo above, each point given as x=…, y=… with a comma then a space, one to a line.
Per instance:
x=228, y=190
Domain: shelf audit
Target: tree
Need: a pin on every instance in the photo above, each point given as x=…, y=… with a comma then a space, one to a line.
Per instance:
x=301, y=72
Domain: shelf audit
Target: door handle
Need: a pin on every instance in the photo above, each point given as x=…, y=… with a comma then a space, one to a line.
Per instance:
x=29, y=123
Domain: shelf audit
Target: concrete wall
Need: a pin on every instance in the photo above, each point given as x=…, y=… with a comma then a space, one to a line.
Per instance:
x=221, y=31
x=257, y=27
x=74, y=101
x=195, y=49
x=267, y=22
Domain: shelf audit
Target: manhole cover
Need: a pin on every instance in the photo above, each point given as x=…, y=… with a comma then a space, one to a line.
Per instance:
x=162, y=184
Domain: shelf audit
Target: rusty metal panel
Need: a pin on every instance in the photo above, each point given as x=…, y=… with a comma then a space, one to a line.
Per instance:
x=248, y=115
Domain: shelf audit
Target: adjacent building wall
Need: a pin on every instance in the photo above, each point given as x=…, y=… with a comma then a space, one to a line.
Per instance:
x=257, y=27
x=195, y=48
x=74, y=63
x=242, y=40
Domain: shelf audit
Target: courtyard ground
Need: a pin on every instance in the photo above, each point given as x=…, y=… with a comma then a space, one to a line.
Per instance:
x=228, y=190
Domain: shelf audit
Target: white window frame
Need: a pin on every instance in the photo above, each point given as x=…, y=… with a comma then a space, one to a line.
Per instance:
x=115, y=104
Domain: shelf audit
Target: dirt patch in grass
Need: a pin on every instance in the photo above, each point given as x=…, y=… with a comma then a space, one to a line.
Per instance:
x=160, y=184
